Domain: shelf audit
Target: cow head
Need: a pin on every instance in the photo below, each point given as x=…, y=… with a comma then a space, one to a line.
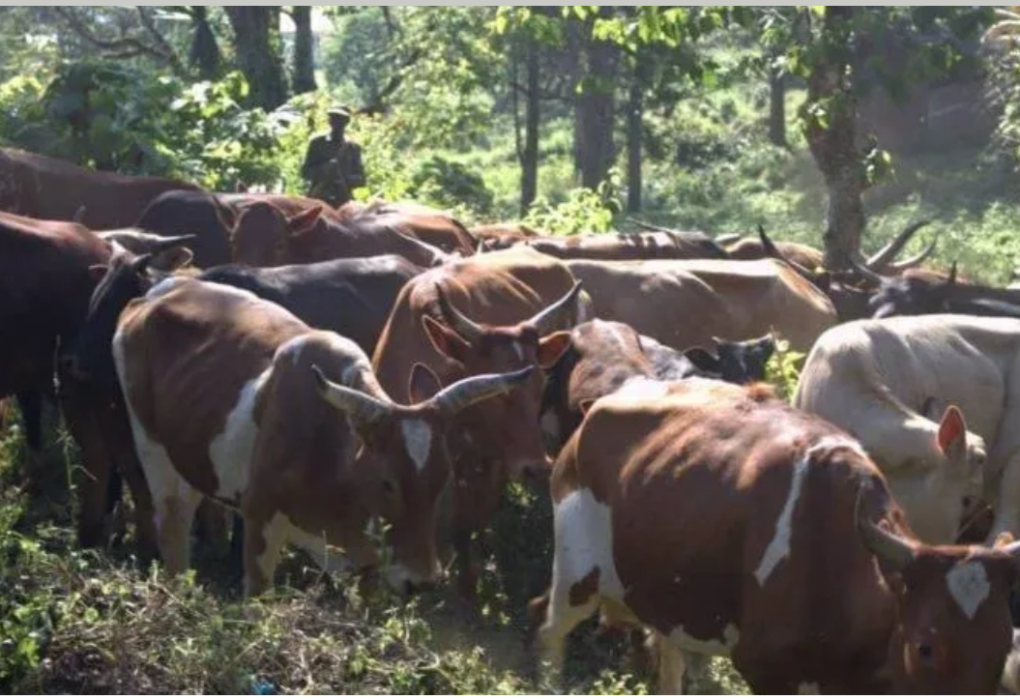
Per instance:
x=952, y=630
x=506, y=430
x=127, y=276
x=405, y=448
x=263, y=236
x=601, y=357
x=736, y=362
x=913, y=293
x=941, y=480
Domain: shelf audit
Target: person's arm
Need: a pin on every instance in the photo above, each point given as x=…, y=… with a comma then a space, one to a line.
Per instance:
x=356, y=178
x=313, y=160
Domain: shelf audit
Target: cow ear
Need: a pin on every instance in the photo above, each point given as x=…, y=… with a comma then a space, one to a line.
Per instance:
x=953, y=433
x=98, y=272
x=585, y=405
x=423, y=385
x=444, y=340
x=552, y=347
x=173, y=259
x=301, y=223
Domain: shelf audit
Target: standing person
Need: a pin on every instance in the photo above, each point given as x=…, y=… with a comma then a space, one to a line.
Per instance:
x=332, y=165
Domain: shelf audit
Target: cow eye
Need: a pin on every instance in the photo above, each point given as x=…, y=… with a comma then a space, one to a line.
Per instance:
x=389, y=487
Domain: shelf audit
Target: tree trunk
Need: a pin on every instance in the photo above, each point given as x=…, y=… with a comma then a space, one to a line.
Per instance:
x=529, y=154
x=635, y=116
x=256, y=39
x=596, y=113
x=777, y=107
x=304, y=50
x=832, y=142
x=205, y=53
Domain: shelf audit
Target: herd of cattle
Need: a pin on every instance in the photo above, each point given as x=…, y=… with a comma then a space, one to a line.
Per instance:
x=319, y=371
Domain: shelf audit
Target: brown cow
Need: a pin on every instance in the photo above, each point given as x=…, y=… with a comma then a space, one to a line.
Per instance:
x=731, y=524
x=656, y=245
x=685, y=303
x=225, y=397
x=491, y=313
x=264, y=237
x=47, y=188
x=501, y=236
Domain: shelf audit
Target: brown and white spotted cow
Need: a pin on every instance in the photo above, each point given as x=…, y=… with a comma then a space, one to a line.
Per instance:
x=732, y=524
x=496, y=312
x=225, y=397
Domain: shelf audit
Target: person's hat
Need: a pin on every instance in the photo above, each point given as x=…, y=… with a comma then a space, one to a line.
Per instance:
x=341, y=112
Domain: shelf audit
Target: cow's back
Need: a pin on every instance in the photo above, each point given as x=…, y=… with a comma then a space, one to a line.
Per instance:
x=184, y=353
x=499, y=289
x=758, y=497
x=687, y=303
x=49, y=188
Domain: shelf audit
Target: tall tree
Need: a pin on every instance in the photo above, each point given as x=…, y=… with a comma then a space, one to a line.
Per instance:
x=595, y=109
x=635, y=126
x=257, y=42
x=204, y=54
x=304, y=50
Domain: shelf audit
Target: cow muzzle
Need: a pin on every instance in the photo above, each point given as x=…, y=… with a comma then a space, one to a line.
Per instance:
x=407, y=583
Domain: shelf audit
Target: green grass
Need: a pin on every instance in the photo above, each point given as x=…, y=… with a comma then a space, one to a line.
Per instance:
x=74, y=621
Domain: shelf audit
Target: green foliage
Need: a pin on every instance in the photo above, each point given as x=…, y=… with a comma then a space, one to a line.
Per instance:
x=127, y=120
x=584, y=211
x=450, y=184
x=783, y=369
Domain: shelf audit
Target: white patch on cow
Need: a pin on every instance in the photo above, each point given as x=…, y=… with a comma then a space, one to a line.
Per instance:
x=418, y=438
x=808, y=689
x=779, y=548
x=165, y=483
x=968, y=584
x=584, y=540
x=642, y=388
x=326, y=557
x=231, y=451
x=710, y=647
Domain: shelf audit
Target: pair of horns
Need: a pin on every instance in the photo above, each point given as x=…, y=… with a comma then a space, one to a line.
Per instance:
x=546, y=321
x=161, y=246
x=893, y=550
x=450, y=401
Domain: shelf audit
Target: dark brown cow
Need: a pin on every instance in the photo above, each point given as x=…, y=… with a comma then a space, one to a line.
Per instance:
x=753, y=249
x=731, y=524
x=656, y=245
x=47, y=188
x=491, y=313
x=432, y=226
x=225, y=396
x=686, y=303
x=45, y=284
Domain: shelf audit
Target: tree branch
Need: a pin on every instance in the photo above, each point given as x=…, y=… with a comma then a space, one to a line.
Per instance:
x=123, y=46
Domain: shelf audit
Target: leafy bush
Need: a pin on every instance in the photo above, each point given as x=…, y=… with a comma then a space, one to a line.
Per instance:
x=113, y=117
x=584, y=211
x=450, y=184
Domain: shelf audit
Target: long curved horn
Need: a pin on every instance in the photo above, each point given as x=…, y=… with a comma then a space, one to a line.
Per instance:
x=547, y=320
x=904, y=265
x=862, y=270
x=887, y=254
x=464, y=326
x=890, y=549
x=439, y=256
x=726, y=239
x=772, y=251
x=168, y=242
x=357, y=404
x=466, y=392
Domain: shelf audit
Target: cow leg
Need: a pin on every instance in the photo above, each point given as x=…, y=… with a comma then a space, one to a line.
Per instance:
x=671, y=667
x=175, y=514
x=82, y=416
x=30, y=403
x=263, y=540
x=563, y=613
x=213, y=526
